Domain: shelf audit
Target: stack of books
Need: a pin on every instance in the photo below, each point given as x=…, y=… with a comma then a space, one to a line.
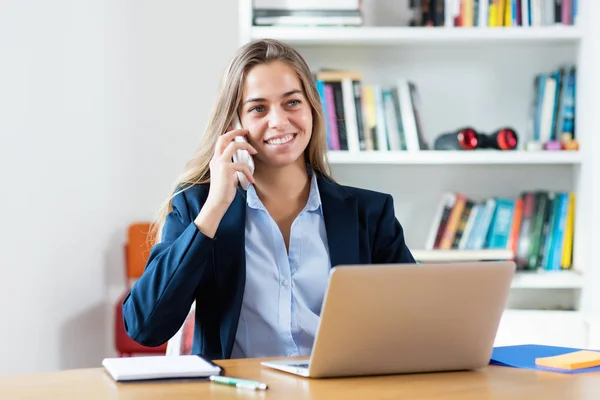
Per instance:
x=307, y=13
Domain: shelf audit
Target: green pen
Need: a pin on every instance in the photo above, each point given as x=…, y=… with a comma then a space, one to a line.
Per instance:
x=240, y=383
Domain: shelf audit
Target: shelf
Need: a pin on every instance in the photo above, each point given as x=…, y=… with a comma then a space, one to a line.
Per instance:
x=455, y=157
x=438, y=255
x=411, y=35
x=548, y=280
x=571, y=315
x=567, y=279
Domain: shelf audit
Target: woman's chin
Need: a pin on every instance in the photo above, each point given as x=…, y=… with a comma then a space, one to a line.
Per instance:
x=282, y=160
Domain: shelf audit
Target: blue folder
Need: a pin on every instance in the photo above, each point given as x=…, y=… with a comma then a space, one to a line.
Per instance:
x=523, y=356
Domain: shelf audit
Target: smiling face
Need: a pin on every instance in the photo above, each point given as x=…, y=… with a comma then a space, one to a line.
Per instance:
x=276, y=113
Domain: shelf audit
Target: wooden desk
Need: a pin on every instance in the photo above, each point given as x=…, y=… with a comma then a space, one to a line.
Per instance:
x=490, y=383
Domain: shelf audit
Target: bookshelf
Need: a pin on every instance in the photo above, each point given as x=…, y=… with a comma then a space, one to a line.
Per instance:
x=480, y=77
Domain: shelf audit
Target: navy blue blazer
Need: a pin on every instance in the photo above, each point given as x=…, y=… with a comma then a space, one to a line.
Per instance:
x=187, y=265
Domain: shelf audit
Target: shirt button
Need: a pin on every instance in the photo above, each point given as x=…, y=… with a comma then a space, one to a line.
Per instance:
x=285, y=282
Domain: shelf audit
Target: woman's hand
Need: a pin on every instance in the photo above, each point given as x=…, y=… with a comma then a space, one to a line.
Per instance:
x=223, y=180
x=223, y=171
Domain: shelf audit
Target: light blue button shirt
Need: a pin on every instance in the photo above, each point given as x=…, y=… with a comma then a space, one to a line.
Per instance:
x=284, y=292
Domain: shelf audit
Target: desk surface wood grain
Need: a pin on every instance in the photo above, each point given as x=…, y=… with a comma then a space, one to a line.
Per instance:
x=489, y=383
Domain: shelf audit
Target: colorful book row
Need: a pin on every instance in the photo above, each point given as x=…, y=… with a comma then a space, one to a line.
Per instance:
x=553, y=107
x=494, y=13
x=369, y=117
x=537, y=226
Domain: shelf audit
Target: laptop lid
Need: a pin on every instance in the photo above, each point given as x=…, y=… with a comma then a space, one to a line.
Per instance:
x=386, y=319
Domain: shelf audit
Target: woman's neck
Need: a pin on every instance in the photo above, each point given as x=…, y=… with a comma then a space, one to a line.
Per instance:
x=290, y=183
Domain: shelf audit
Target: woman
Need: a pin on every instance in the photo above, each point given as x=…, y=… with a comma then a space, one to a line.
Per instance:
x=257, y=261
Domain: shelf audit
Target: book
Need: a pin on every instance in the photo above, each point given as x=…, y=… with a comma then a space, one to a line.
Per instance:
x=160, y=368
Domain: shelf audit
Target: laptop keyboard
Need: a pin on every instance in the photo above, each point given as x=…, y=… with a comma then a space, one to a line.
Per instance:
x=301, y=365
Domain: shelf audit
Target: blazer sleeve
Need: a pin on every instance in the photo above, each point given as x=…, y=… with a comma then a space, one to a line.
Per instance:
x=389, y=245
x=178, y=266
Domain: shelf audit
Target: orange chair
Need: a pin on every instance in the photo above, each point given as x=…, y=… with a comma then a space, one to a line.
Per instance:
x=137, y=251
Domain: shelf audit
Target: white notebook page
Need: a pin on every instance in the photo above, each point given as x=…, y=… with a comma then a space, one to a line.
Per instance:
x=157, y=367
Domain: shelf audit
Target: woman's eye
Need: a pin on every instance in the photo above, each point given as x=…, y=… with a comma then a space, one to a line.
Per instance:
x=257, y=109
x=294, y=102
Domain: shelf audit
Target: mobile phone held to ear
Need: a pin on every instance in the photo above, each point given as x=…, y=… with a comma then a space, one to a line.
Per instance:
x=242, y=156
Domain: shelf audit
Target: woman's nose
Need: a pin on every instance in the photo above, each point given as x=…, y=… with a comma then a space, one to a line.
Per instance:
x=278, y=118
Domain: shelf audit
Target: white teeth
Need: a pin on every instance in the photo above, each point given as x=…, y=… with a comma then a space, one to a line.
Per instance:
x=281, y=140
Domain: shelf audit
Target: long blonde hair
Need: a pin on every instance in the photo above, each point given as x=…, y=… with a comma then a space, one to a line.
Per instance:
x=229, y=97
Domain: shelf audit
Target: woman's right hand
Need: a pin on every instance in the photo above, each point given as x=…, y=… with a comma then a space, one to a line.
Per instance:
x=223, y=180
x=223, y=176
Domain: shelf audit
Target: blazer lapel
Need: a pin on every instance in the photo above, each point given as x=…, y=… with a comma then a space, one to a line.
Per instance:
x=341, y=222
x=230, y=271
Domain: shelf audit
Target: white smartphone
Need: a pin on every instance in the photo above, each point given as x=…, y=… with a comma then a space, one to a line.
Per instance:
x=242, y=155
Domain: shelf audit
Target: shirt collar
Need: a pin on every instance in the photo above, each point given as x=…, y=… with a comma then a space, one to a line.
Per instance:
x=313, y=203
x=314, y=197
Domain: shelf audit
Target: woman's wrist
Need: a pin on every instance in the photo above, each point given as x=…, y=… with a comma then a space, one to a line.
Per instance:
x=209, y=218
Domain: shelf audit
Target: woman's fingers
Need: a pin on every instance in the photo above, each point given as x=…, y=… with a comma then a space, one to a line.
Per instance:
x=232, y=147
x=226, y=138
x=245, y=169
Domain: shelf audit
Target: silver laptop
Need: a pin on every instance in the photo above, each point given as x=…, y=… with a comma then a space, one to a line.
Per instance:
x=392, y=319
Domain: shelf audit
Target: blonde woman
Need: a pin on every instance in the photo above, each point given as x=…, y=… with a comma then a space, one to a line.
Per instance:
x=256, y=261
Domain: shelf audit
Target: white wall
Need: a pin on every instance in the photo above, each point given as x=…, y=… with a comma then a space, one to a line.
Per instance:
x=101, y=103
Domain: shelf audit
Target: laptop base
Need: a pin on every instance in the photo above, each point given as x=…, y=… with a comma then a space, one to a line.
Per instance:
x=296, y=367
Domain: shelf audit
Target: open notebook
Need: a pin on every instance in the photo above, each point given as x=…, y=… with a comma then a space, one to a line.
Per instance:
x=160, y=368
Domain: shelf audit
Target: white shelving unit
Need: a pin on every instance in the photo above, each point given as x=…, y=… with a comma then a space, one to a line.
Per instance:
x=479, y=77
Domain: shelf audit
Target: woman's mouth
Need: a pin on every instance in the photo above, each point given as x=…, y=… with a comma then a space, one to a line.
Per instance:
x=278, y=141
